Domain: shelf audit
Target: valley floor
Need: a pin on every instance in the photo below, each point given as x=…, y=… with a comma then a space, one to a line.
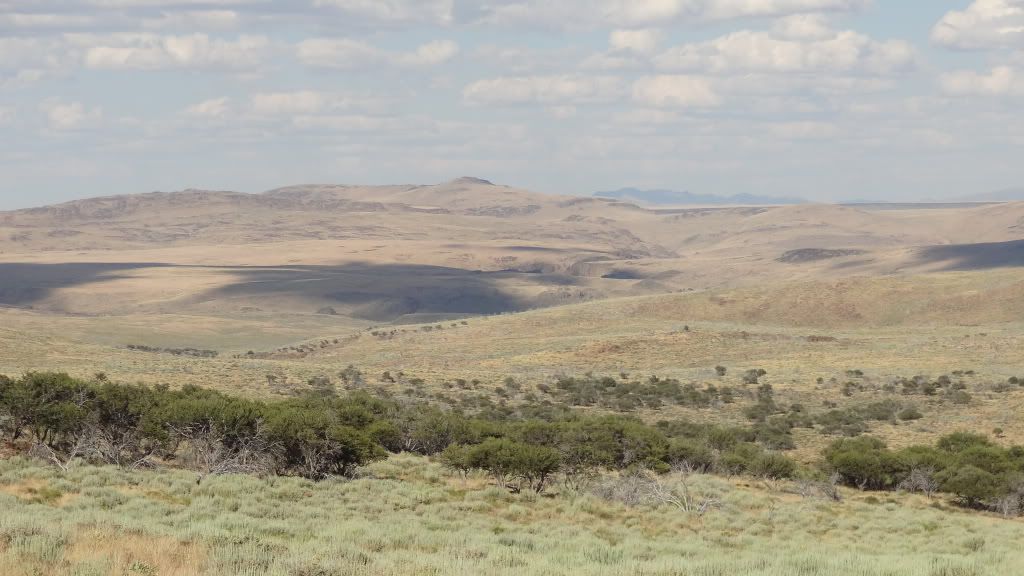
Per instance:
x=826, y=346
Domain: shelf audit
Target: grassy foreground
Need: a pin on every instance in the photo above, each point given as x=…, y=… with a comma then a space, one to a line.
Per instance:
x=408, y=516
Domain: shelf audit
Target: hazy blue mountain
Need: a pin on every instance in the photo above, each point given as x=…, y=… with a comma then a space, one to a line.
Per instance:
x=1005, y=195
x=675, y=198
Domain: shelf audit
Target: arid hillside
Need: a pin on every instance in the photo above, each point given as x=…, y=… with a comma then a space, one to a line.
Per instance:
x=448, y=291
x=466, y=247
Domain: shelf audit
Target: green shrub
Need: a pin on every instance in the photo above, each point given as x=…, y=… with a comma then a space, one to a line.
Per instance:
x=844, y=422
x=739, y=459
x=753, y=375
x=772, y=465
x=959, y=397
x=910, y=413
x=960, y=441
x=691, y=454
x=970, y=483
x=864, y=462
x=880, y=411
x=923, y=458
x=514, y=464
x=775, y=433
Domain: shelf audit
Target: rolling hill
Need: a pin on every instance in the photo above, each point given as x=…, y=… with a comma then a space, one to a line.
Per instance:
x=406, y=253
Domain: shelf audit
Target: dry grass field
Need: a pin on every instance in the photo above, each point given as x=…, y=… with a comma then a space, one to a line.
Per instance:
x=408, y=516
x=442, y=293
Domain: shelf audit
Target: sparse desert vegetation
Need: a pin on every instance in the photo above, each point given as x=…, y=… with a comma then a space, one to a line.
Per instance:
x=818, y=414
x=408, y=515
x=130, y=478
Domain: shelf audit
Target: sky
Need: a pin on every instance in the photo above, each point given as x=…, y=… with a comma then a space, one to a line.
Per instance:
x=831, y=100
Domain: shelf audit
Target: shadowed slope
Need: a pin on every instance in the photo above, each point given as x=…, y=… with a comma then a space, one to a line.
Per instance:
x=24, y=284
x=976, y=256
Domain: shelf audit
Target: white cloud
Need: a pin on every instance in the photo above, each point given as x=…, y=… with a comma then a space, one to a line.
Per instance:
x=645, y=116
x=728, y=9
x=335, y=53
x=936, y=139
x=675, y=91
x=643, y=41
x=69, y=116
x=985, y=24
x=348, y=123
x=347, y=53
x=17, y=53
x=752, y=79
x=133, y=4
x=608, y=62
x=562, y=112
x=644, y=13
x=147, y=51
x=647, y=11
x=755, y=51
x=303, y=102
x=212, y=109
x=804, y=130
x=803, y=27
x=430, y=54
x=194, y=19
x=429, y=11
x=544, y=89
x=22, y=78
x=1000, y=81
x=30, y=20
x=785, y=87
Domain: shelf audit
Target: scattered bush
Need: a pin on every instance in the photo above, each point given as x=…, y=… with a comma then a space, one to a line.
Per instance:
x=910, y=413
x=772, y=465
x=193, y=352
x=515, y=464
x=753, y=375
x=324, y=434
x=625, y=396
x=980, y=473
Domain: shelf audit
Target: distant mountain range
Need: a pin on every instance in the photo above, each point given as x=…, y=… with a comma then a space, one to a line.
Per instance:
x=676, y=198
x=1005, y=195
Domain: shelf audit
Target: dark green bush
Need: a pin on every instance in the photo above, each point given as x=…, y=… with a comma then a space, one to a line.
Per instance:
x=625, y=396
x=864, y=462
x=971, y=484
x=691, y=455
x=514, y=464
x=959, y=397
x=772, y=465
x=959, y=441
x=841, y=422
x=910, y=413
